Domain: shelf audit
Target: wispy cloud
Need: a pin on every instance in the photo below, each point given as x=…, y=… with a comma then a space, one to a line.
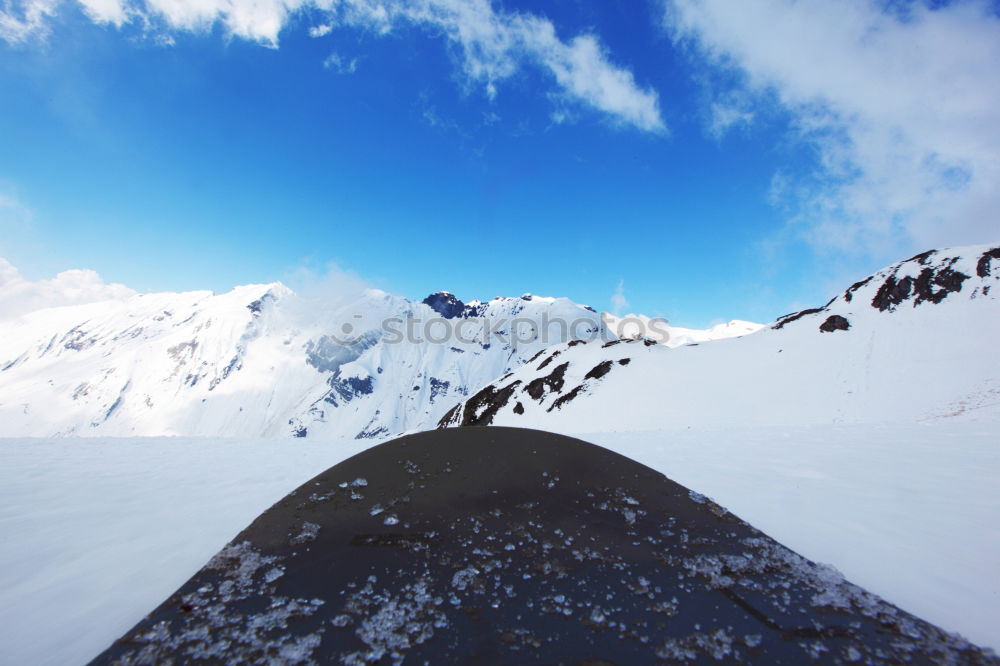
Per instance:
x=15, y=215
x=618, y=300
x=340, y=64
x=490, y=44
x=898, y=100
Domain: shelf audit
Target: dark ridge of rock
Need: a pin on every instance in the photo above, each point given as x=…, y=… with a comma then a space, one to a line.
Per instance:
x=256, y=307
x=553, y=381
x=519, y=408
x=892, y=293
x=548, y=360
x=648, y=342
x=788, y=319
x=504, y=545
x=480, y=409
x=610, y=344
x=451, y=416
x=624, y=361
x=945, y=279
x=983, y=266
x=565, y=398
x=922, y=257
x=445, y=304
x=835, y=323
x=599, y=370
x=931, y=285
x=849, y=294
x=349, y=388
x=574, y=343
x=535, y=356
x=300, y=431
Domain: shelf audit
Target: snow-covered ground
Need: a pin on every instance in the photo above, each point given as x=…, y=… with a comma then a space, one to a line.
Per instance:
x=910, y=512
x=97, y=532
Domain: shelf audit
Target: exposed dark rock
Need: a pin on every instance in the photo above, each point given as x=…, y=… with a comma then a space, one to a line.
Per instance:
x=348, y=388
x=835, y=323
x=849, y=294
x=519, y=408
x=535, y=356
x=648, y=342
x=574, y=343
x=300, y=431
x=480, y=409
x=983, y=266
x=788, y=319
x=934, y=286
x=610, y=344
x=892, y=293
x=599, y=370
x=549, y=359
x=445, y=304
x=450, y=417
x=554, y=382
x=438, y=387
x=624, y=361
x=922, y=257
x=563, y=399
x=931, y=285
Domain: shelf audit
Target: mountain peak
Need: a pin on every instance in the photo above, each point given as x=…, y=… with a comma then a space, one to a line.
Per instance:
x=445, y=304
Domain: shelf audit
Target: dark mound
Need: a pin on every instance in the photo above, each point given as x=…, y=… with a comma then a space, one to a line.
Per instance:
x=503, y=545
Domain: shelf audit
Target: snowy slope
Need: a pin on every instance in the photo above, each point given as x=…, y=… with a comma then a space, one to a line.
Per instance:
x=863, y=433
x=260, y=361
x=98, y=531
x=637, y=326
x=913, y=342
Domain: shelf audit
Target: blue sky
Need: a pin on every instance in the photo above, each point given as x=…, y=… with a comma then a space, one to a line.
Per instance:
x=564, y=148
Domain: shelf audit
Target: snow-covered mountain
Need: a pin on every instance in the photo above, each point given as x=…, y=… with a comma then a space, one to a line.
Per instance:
x=260, y=361
x=640, y=326
x=910, y=343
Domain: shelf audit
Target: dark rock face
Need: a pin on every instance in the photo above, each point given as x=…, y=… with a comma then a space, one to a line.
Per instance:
x=554, y=381
x=445, y=304
x=835, y=323
x=599, y=370
x=480, y=409
x=931, y=285
x=502, y=545
x=256, y=307
x=849, y=294
x=984, y=265
x=348, y=388
x=788, y=319
x=548, y=360
x=439, y=387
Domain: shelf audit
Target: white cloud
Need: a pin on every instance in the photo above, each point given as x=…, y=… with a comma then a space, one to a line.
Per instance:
x=618, y=300
x=900, y=102
x=320, y=30
x=340, y=64
x=491, y=44
x=74, y=287
x=20, y=21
